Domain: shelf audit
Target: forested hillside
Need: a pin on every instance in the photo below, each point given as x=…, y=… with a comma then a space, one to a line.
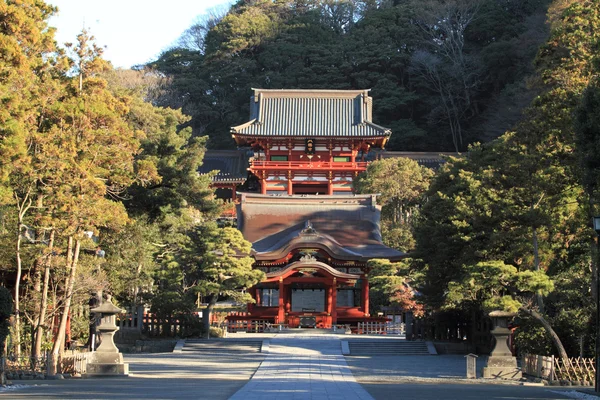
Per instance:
x=442, y=74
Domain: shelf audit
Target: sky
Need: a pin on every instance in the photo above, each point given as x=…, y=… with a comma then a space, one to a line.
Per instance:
x=130, y=31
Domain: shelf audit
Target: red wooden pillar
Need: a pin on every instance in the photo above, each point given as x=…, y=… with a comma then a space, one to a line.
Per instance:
x=290, y=187
x=330, y=188
x=251, y=305
x=288, y=299
x=258, y=296
x=365, y=294
x=329, y=301
x=334, y=302
x=233, y=194
x=281, y=311
x=263, y=186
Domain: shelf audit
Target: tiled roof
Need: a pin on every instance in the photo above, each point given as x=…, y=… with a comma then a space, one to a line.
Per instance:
x=231, y=165
x=347, y=227
x=318, y=113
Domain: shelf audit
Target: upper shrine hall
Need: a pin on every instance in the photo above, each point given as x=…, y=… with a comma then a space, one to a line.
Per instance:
x=309, y=141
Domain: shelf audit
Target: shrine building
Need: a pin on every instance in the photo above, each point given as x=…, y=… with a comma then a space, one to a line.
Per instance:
x=310, y=234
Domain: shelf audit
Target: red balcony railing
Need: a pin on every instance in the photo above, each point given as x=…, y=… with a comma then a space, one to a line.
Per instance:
x=308, y=165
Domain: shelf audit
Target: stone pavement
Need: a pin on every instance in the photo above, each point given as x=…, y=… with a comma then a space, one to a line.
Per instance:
x=153, y=376
x=303, y=367
x=295, y=366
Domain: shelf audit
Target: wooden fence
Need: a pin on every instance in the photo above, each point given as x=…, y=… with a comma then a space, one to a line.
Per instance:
x=580, y=371
x=170, y=326
x=380, y=328
x=154, y=325
x=74, y=363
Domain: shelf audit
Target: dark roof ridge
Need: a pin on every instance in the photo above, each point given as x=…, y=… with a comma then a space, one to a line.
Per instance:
x=345, y=93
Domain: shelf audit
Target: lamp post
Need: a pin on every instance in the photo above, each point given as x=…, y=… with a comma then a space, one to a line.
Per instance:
x=596, y=224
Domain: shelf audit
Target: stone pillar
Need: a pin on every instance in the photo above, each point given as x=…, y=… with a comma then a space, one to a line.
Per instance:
x=501, y=364
x=365, y=295
x=281, y=311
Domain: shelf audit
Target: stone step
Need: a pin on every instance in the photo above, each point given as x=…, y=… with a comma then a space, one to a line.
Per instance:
x=387, y=347
x=223, y=346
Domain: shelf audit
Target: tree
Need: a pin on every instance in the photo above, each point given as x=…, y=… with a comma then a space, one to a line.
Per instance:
x=401, y=183
x=27, y=44
x=222, y=267
x=389, y=285
x=91, y=161
x=449, y=70
x=502, y=286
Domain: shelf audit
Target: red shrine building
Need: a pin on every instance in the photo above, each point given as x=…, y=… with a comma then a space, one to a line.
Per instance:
x=310, y=234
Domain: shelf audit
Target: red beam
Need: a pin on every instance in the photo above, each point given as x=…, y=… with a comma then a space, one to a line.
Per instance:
x=304, y=166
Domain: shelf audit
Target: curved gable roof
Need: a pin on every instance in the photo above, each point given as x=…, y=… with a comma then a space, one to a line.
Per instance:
x=317, y=113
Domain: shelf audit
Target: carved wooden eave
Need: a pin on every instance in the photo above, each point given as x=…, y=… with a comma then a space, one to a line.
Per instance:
x=308, y=264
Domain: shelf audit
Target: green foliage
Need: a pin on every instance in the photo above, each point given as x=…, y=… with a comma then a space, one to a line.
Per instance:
x=587, y=136
x=389, y=286
x=530, y=338
x=508, y=221
x=401, y=184
x=496, y=285
x=224, y=267
x=355, y=45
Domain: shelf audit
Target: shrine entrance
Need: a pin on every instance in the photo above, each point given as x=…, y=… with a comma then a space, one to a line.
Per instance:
x=305, y=294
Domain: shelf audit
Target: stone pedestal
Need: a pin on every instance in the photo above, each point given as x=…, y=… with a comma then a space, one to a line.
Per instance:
x=106, y=360
x=501, y=364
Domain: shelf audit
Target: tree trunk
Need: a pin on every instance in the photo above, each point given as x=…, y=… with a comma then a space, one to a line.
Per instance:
x=536, y=262
x=17, y=338
x=22, y=206
x=207, y=312
x=548, y=328
x=41, y=321
x=57, y=348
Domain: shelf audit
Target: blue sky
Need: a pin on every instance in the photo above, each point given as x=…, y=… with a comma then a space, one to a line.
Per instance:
x=131, y=31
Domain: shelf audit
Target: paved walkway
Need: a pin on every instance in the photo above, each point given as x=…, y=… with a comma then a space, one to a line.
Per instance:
x=303, y=367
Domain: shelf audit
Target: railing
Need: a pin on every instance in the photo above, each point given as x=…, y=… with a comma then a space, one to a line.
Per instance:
x=170, y=326
x=70, y=362
x=248, y=326
x=380, y=328
x=578, y=370
x=74, y=363
x=131, y=319
x=302, y=165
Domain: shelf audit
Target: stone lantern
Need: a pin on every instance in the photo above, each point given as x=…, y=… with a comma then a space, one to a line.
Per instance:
x=501, y=364
x=107, y=360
